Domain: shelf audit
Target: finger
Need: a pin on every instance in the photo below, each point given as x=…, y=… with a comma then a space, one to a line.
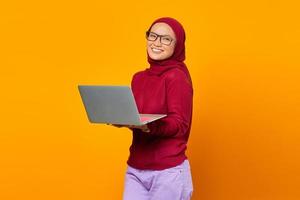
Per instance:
x=117, y=125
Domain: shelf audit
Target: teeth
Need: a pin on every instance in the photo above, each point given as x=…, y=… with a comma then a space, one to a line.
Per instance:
x=156, y=50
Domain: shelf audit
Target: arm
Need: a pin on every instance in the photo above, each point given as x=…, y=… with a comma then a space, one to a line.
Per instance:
x=179, y=103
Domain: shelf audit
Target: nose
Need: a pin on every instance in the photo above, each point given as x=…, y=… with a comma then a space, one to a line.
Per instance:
x=157, y=42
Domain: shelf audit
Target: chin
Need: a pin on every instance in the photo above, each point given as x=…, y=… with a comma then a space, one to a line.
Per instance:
x=156, y=57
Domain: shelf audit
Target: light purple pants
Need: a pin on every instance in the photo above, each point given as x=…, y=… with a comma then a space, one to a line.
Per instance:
x=174, y=183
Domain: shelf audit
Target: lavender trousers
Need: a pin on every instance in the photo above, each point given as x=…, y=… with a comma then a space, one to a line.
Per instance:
x=173, y=183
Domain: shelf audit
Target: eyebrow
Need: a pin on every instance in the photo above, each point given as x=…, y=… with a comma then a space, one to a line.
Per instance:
x=159, y=34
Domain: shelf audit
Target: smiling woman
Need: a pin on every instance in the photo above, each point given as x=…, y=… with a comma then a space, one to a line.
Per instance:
x=158, y=168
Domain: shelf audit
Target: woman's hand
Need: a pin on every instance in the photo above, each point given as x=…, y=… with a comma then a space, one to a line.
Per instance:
x=117, y=125
x=144, y=127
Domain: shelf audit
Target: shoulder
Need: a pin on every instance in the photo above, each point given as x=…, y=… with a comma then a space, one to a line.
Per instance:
x=138, y=74
x=177, y=78
x=176, y=75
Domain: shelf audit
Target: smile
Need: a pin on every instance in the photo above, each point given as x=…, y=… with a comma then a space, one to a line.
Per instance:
x=156, y=50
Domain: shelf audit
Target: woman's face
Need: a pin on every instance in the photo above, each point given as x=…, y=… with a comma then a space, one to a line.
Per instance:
x=162, y=47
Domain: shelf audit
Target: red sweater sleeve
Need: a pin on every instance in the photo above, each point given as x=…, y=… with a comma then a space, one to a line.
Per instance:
x=179, y=105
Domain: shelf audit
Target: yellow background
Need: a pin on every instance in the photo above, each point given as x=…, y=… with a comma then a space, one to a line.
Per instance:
x=244, y=60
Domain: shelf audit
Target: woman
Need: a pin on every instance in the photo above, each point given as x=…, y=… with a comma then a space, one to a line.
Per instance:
x=158, y=168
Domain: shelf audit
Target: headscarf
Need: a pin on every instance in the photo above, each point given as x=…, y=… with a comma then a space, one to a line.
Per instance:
x=157, y=67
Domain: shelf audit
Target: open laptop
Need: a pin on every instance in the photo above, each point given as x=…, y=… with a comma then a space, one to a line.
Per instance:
x=113, y=105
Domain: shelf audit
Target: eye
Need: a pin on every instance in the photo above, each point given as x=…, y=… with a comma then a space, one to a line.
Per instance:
x=167, y=39
x=152, y=35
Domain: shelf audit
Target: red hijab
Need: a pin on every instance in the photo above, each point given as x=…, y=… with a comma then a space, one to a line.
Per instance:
x=157, y=67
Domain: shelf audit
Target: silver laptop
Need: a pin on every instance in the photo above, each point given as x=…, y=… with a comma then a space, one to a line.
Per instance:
x=114, y=105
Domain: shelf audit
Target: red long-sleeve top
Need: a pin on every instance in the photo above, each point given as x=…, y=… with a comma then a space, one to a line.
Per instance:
x=169, y=93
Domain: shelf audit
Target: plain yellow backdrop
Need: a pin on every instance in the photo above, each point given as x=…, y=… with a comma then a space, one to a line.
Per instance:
x=244, y=60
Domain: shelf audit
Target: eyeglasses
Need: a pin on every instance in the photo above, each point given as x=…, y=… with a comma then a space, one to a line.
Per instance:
x=164, y=39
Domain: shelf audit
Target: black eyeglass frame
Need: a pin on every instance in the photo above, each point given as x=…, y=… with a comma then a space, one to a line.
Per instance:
x=160, y=36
